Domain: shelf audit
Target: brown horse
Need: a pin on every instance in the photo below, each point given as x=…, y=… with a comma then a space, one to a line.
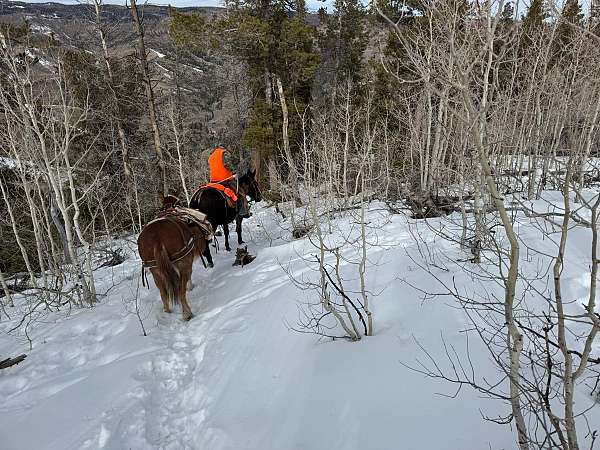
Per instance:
x=168, y=246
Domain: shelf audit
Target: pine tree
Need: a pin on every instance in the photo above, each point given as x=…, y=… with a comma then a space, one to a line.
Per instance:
x=571, y=17
x=595, y=17
x=343, y=44
x=532, y=29
x=397, y=10
x=274, y=40
x=533, y=21
x=505, y=34
x=507, y=18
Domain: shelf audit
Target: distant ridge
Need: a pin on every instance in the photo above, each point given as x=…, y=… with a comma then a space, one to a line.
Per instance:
x=75, y=10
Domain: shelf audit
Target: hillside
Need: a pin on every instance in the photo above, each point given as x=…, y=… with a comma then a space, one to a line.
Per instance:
x=238, y=377
x=73, y=25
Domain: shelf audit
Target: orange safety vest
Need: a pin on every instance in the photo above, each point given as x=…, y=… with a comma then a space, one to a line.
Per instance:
x=218, y=171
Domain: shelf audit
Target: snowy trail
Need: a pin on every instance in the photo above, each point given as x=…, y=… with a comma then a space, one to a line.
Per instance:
x=175, y=399
x=237, y=378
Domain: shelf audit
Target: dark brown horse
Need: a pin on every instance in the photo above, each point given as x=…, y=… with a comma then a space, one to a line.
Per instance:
x=168, y=246
x=218, y=212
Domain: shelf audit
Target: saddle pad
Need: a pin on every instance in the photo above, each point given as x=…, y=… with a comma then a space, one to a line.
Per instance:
x=196, y=217
x=191, y=216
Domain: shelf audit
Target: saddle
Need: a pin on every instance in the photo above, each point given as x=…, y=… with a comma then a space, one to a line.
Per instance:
x=227, y=192
x=189, y=216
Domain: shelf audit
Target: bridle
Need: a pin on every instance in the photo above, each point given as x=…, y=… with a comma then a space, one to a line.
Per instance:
x=253, y=183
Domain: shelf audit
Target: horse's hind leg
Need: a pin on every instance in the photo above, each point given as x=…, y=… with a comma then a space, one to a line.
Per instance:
x=238, y=230
x=164, y=295
x=226, y=233
x=165, y=299
x=185, y=277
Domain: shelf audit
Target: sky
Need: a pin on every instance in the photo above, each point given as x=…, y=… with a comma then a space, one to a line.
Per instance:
x=311, y=4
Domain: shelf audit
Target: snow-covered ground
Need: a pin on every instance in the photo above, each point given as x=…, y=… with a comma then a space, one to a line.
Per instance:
x=236, y=377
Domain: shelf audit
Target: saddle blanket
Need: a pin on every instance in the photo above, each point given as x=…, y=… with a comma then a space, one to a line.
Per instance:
x=195, y=217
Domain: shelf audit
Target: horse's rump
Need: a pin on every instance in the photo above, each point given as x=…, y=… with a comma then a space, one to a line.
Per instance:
x=162, y=245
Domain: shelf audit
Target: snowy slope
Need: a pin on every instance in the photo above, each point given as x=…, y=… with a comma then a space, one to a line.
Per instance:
x=236, y=377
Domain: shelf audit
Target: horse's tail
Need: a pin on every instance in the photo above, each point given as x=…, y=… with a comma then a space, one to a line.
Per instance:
x=168, y=274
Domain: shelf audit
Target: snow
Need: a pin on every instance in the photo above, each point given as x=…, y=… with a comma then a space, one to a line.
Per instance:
x=44, y=62
x=41, y=29
x=237, y=377
x=157, y=53
x=167, y=72
x=12, y=164
x=9, y=163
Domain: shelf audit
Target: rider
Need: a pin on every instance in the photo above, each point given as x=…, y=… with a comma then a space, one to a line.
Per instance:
x=222, y=167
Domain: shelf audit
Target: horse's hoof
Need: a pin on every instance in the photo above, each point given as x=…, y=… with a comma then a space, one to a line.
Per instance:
x=241, y=241
x=188, y=317
x=210, y=265
x=168, y=311
x=228, y=249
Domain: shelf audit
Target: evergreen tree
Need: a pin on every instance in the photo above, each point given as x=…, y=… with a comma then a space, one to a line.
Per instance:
x=571, y=17
x=343, y=44
x=400, y=10
x=348, y=25
x=507, y=18
x=533, y=21
x=274, y=40
x=531, y=34
x=504, y=35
